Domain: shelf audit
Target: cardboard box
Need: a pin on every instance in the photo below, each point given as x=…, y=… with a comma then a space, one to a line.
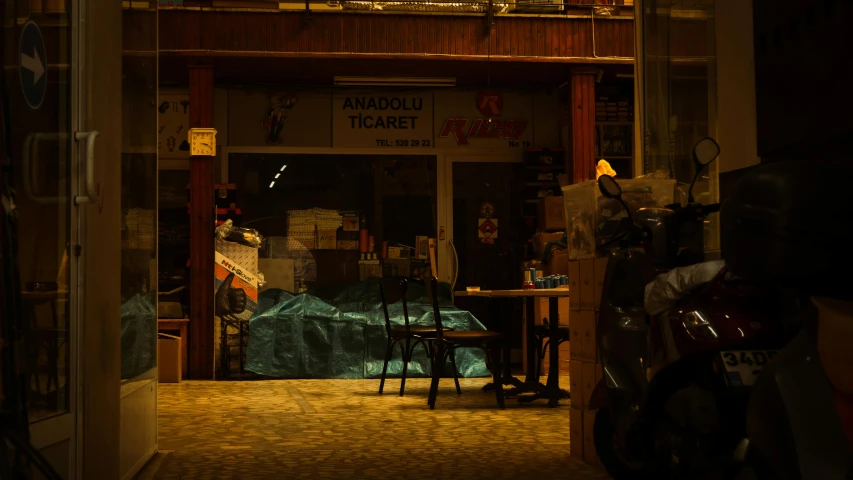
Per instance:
x=587, y=284
x=576, y=384
x=574, y=285
x=168, y=358
x=422, y=248
x=326, y=240
x=278, y=273
x=559, y=262
x=368, y=269
x=350, y=223
x=586, y=323
x=540, y=240
x=576, y=442
x=563, y=353
x=589, y=455
x=552, y=214
x=599, y=270
x=542, y=309
x=399, y=252
x=591, y=374
x=347, y=244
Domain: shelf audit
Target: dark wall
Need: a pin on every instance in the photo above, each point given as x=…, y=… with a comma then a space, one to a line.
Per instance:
x=803, y=73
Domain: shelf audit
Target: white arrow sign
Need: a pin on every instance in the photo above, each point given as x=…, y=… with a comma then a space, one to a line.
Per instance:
x=33, y=64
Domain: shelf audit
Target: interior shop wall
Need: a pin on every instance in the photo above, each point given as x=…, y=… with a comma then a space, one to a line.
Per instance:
x=736, y=119
x=310, y=122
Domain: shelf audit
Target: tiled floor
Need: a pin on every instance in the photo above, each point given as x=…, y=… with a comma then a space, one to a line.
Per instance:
x=341, y=429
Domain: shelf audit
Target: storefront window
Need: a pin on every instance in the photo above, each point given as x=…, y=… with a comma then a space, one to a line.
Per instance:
x=314, y=210
x=139, y=200
x=678, y=71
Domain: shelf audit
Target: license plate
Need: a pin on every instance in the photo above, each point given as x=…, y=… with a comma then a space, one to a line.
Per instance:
x=743, y=366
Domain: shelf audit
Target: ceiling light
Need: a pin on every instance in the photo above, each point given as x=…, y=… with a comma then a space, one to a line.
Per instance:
x=396, y=81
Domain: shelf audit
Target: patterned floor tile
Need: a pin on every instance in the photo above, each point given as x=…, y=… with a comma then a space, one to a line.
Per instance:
x=342, y=429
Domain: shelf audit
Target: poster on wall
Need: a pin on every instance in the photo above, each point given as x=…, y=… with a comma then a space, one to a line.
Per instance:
x=484, y=119
x=383, y=121
x=173, y=123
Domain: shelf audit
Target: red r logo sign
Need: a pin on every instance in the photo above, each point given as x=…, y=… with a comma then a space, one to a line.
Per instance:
x=490, y=103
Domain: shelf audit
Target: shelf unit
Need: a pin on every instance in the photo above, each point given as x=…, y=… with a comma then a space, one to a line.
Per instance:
x=614, y=128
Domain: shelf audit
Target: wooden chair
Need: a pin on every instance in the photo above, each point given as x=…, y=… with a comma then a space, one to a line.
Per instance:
x=447, y=342
x=393, y=290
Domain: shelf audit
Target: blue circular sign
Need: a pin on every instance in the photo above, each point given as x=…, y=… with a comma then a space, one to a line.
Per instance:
x=32, y=65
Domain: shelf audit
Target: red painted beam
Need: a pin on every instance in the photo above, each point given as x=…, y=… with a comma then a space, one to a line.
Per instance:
x=582, y=106
x=201, y=230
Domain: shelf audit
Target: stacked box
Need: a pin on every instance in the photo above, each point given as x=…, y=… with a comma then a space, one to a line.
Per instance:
x=586, y=279
x=608, y=109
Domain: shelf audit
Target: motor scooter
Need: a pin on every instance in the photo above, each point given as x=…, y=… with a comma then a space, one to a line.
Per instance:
x=675, y=384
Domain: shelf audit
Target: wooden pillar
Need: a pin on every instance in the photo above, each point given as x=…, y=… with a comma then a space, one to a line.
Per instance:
x=582, y=106
x=202, y=221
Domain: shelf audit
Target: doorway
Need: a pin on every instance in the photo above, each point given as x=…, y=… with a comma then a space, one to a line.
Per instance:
x=486, y=238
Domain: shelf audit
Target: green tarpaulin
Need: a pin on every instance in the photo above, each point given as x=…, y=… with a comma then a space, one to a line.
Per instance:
x=339, y=332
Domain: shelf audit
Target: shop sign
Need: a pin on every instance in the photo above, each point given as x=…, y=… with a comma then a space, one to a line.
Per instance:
x=463, y=129
x=490, y=103
x=379, y=121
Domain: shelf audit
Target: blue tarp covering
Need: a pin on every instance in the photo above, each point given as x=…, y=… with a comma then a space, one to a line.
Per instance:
x=339, y=332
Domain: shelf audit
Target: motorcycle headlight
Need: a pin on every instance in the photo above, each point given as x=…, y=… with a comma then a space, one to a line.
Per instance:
x=698, y=326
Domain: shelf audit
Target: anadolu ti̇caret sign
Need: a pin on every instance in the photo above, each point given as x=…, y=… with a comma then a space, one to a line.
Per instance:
x=382, y=121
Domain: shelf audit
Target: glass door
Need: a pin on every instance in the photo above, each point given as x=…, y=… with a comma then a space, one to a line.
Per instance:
x=47, y=155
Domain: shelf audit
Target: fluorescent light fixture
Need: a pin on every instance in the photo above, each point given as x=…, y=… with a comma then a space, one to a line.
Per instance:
x=272, y=184
x=395, y=81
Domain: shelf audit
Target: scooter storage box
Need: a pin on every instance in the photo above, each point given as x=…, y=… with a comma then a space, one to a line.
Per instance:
x=586, y=208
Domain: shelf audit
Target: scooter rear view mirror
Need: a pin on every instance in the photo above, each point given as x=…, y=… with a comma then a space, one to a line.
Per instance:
x=609, y=187
x=705, y=152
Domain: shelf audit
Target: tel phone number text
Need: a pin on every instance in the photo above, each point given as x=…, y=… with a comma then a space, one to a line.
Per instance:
x=403, y=143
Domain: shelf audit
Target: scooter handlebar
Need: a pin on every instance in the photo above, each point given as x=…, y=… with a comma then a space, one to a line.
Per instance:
x=696, y=207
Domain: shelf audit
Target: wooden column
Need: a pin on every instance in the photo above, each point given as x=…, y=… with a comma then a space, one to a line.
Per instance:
x=202, y=222
x=582, y=106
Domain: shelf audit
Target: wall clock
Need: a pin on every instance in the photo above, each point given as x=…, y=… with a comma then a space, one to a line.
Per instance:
x=203, y=141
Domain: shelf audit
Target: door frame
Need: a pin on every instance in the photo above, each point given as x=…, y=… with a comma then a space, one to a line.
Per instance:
x=67, y=426
x=445, y=170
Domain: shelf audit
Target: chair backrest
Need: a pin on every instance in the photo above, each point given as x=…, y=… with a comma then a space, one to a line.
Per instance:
x=432, y=291
x=393, y=290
